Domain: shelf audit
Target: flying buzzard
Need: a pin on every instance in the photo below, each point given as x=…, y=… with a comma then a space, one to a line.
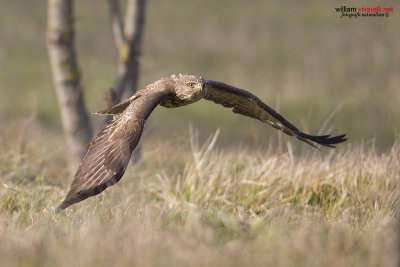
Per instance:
x=109, y=152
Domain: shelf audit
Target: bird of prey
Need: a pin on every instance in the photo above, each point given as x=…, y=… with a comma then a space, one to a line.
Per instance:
x=109, y=152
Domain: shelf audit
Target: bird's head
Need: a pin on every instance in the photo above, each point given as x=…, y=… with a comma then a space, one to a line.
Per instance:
x=187, y=89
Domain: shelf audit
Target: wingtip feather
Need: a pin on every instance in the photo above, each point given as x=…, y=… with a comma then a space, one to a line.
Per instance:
x=62, y=206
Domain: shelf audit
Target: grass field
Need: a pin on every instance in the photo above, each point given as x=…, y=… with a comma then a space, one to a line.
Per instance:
x=212, y=188
x=188, y=203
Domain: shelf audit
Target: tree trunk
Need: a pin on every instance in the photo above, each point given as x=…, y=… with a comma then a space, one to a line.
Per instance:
x=66, y=79
x=128, y=39
x=129, y=45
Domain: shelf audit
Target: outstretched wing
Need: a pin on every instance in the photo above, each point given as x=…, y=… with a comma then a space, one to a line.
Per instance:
x=104, y=163
x=245, y=103
x=110, y=151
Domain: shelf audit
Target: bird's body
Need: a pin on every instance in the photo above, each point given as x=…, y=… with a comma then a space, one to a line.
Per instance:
x=110, y=151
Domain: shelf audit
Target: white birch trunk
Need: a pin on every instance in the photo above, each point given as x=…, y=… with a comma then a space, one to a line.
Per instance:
x=66, y=79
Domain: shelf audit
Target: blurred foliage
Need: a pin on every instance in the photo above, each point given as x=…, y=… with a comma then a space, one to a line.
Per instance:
x=297, y=56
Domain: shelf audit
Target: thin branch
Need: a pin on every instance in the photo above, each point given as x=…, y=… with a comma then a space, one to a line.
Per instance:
x=116, y=22
x=135, y=19
x=130, y=50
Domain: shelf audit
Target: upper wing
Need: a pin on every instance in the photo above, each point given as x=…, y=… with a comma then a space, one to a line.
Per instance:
x=117, y=108
x=109, y=152
x=245, y=103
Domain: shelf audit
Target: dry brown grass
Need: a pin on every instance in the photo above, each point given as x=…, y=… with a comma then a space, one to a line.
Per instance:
x=187, y=204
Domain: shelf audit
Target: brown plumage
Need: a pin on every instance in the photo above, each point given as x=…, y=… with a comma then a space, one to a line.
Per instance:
x=110, y=151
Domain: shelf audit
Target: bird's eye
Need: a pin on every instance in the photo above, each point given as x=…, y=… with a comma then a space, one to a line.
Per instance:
x=191, y=84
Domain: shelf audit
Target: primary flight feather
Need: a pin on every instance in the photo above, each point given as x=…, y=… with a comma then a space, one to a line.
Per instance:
x=108, y=155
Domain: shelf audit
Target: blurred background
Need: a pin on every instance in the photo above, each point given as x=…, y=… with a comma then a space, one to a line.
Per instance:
x=299, y=57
